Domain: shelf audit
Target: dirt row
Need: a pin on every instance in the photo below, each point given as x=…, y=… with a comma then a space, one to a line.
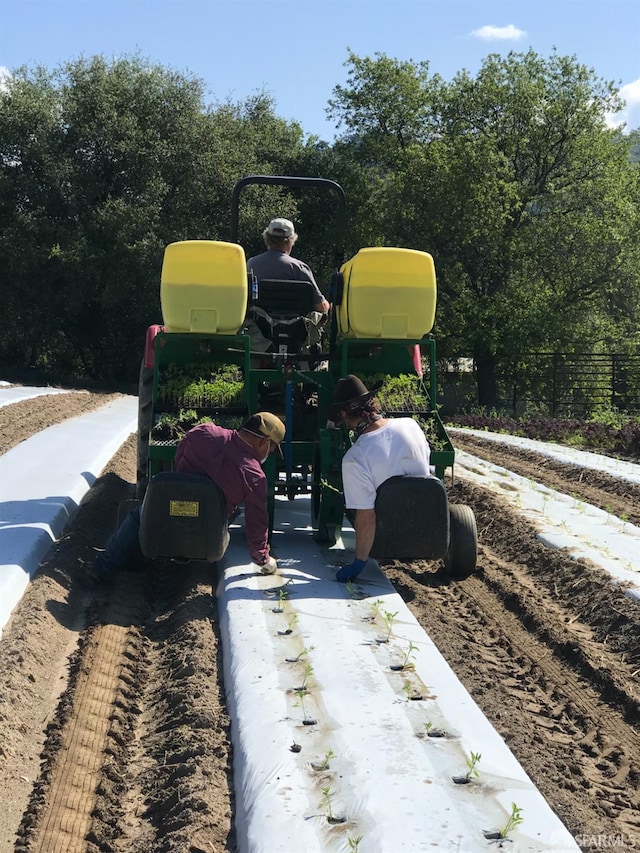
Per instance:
x=123, y=694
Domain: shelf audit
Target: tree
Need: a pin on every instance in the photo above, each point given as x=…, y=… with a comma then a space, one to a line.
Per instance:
x=522, y=194
x=102, y=164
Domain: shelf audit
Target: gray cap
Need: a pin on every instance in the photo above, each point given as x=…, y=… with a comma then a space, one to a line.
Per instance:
x=281, y=228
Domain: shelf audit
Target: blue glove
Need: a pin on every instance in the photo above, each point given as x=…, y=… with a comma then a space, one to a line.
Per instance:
x=348, y=573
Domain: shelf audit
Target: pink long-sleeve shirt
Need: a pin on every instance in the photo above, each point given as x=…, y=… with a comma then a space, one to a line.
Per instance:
x=234, y=466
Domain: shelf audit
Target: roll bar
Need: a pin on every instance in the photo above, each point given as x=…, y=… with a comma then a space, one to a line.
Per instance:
x=293, y=183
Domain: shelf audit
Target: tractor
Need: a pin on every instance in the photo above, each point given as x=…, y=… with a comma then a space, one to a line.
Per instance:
x=200, y=363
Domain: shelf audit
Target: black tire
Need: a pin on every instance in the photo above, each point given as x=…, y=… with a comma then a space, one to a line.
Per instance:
x=145, y=425
x=462, y=554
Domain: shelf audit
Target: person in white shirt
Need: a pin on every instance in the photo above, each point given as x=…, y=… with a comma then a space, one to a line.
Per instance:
x=383, y=448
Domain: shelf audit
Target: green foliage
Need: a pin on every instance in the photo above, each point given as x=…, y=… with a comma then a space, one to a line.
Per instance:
x=515, y=819
x=407, y=394
x=472, y=766
x=105, y=162
x=510, y=177
x=386, y=102
x=223, y=385
x=404, y=393
x=172, y=427
x=515, y=184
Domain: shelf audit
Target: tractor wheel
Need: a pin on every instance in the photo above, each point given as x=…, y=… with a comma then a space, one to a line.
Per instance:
x=145, y=419
x=460, y=559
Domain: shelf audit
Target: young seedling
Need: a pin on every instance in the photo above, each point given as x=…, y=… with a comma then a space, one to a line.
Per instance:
x=324, y=764
x=472, y=761
x=300, y=693
x=283, y=595
x=388, y=621
x=303, y=654
x=515, y=819
x=406, y=662
x=352, y=589
x=427, y=727
x=412, y=695
x=326, y=804
x=291, y=621
x=354, y=843
x=472, y=771
x=375, y=608
x=308, y=669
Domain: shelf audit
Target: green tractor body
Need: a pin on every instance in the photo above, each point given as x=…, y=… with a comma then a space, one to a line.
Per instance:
x=200, y=365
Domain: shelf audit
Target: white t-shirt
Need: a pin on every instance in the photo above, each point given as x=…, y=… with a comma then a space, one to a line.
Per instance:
x=399, y=448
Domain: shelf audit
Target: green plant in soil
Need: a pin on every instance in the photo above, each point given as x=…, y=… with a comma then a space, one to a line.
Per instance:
x=308, y=671
x=354, y=843
x=303, y=654
x=375, y=608
x=300, y=693
x=515, y=819
x=407, y=689
x=408, y=654
x=472, y=761
x=326, y=802
x=352, y=589
x=324, y=764
x=283, y=595
x=389, y=619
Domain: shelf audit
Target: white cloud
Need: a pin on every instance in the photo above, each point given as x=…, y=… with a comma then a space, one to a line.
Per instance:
x=630, y=113
x=491, y=33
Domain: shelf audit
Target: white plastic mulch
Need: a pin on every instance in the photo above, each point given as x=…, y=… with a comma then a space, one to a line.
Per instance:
x=15, y=393
x=43, y=480
x=563, y=521
x=310, y=681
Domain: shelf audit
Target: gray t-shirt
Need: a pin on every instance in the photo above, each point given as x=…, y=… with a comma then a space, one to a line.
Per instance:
x=282, y=267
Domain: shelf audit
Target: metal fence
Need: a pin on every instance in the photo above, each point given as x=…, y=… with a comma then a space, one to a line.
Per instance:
x=569, y=384
x=550, y=383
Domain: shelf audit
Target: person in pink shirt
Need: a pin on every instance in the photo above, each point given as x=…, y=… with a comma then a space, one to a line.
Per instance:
x=233, y=460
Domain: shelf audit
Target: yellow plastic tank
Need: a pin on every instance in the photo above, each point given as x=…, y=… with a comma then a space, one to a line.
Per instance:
x=203, y=287
x=389, y=294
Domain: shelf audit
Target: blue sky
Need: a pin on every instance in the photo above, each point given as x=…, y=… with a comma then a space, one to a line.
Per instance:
x=296, y=51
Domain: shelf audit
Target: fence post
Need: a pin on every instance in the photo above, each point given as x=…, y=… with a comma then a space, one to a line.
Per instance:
x=554, y=367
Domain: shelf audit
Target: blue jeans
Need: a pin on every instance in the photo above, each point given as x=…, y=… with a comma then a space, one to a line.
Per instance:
x=123, y=546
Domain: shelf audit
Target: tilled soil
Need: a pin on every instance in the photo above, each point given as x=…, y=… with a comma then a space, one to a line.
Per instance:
x=119, y=698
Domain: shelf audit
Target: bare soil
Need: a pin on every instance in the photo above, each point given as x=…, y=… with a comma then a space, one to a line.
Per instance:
x=120, y=696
